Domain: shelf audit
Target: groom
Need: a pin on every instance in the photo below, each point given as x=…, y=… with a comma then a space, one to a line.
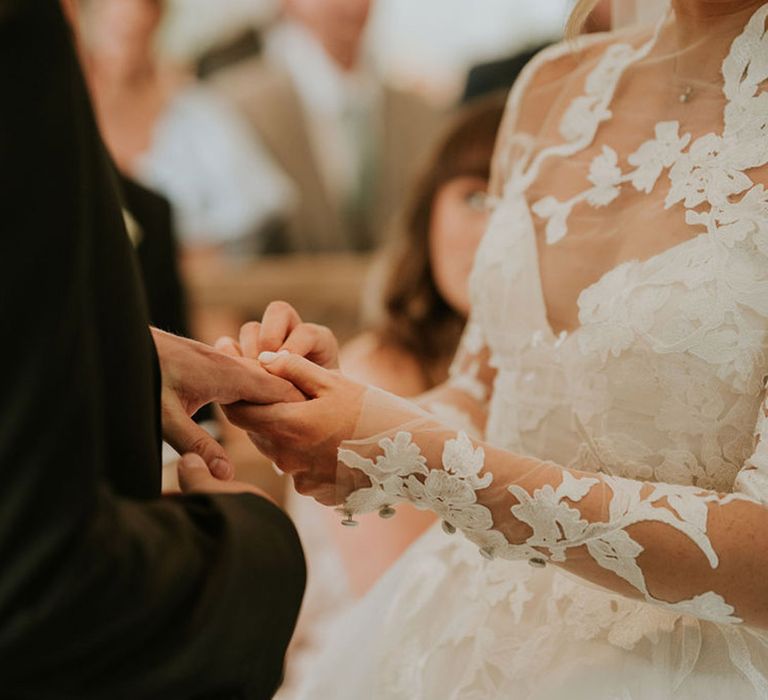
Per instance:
x=107, y=590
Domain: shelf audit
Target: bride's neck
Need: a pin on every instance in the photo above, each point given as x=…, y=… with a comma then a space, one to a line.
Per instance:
x=701, y=35
x=696, y=19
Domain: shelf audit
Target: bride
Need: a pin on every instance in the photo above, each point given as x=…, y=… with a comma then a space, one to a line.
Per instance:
x=611, y=483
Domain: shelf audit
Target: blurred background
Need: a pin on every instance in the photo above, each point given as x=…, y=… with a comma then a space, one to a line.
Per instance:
x=422, y=43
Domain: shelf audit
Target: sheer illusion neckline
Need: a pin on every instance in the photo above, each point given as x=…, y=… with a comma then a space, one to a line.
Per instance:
x=570, y=149
x=619, y=58
x=564, y=334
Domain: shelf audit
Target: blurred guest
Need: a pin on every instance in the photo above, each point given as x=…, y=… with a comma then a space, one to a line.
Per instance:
x=246, y=44
x=425, y=298
x=347, y=141
x=177, y=137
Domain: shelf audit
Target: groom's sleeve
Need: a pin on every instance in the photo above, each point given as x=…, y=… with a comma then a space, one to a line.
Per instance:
x=105, y=590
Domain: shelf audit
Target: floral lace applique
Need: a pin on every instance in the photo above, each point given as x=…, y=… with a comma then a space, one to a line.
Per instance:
x=400, y=473
x=708, y=170
x=585, y=113
x=656, y=155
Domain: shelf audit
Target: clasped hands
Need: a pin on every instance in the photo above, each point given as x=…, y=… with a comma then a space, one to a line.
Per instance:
x=279, y=381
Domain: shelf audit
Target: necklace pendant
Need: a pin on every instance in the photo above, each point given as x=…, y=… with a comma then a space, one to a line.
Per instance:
x=686, y=94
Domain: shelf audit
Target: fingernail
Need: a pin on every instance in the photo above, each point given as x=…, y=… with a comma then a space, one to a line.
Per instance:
x=221, y=468
x=268, y=357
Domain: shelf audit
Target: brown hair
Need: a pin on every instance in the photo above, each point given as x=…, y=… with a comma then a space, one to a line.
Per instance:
x=416, y=318
x=579, y=16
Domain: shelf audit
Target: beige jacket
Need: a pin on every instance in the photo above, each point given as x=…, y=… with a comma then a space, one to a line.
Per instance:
x=406, y=127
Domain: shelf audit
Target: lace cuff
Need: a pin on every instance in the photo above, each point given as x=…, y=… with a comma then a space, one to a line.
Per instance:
x=517, y=508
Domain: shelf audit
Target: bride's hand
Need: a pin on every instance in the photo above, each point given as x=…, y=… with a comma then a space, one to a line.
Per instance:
x=281, y=329
x=302, y=439
x=194, y=375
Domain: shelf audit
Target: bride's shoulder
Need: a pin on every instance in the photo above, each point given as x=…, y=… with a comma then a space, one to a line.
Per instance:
x=558, y=74
x=547, y=87
x=570, y=61
x=559, y=59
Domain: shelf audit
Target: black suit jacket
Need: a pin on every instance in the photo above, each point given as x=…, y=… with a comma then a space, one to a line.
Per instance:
x=157, y=253
x=106, y=590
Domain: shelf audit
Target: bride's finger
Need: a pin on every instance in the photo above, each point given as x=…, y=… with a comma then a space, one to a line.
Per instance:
x=316, y=343
x=249, y=339
x=228, y=346
x=279, y=321
x=306, y=376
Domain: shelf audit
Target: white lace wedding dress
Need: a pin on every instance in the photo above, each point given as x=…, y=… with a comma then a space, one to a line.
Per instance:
x=657, y=394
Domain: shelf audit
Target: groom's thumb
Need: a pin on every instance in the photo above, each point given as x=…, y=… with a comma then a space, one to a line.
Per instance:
x=306, y=376
x=193, y=474
x=186, y=436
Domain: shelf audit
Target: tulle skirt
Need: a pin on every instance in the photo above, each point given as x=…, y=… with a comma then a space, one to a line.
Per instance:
x=444, y=624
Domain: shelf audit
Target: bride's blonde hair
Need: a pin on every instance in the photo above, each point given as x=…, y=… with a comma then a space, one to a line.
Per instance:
x=579, y=16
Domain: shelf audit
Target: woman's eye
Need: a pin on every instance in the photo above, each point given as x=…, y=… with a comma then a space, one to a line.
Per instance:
x=477, y=200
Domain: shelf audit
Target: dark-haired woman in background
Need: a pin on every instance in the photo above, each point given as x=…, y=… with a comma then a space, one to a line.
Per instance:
x=414, y=332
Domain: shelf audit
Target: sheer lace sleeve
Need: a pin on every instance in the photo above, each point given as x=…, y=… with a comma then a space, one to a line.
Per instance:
x=690, y=550
x=752, y=480
x=462, y=401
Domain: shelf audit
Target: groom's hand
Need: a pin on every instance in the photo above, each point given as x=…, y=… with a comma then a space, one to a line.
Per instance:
x=194, y=477
x=194, y=375
x=282, y=330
